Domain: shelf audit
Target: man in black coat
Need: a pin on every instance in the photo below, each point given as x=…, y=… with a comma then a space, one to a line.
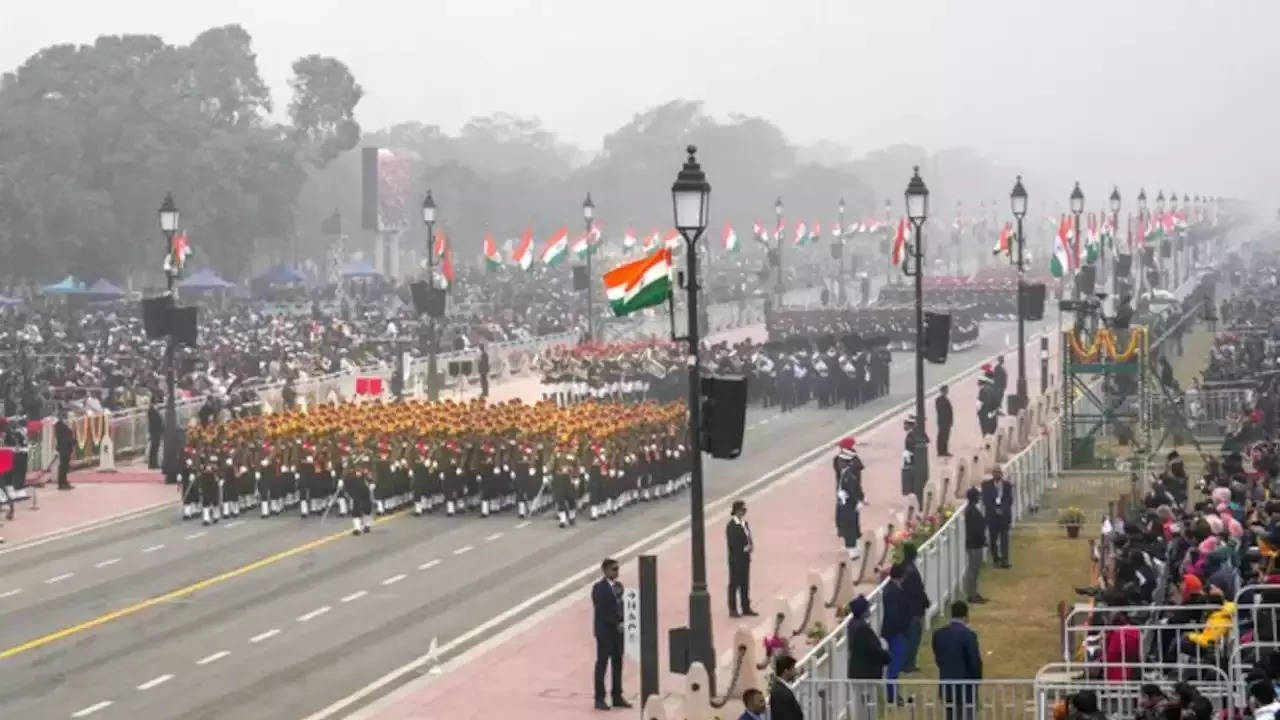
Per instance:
x=975, y=540
x=956, y=651
x=942, y=411
x=895, y=623
x=738, y=537
x=866, y=656
x=782, y=701
x=606, y=604
x=155, y=430
x=1000, y=379
x=997, y=507
x=483, y=370
x=64, y=440
x=918, y=602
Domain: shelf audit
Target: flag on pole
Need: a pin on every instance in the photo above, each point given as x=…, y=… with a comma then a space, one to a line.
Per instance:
x=729, y=238
x=581, y=245
x=556, y=247
x=1064, y=258
x=492, y=258
x=802, y=234
x=760, y=234
x=523, y=255
x=651, y=240
x=672, y=241
x=815, y=233
x=178, y=254
x=640, y=283
x=629, y=239
x=1092, y=240
x=1004, y=243
x=899, y=243
x=438, y=247
x=446, y=267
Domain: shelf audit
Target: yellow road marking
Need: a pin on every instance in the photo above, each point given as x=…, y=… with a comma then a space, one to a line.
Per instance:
x=180, y=592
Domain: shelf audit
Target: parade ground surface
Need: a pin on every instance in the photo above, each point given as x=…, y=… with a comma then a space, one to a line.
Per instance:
x=151, y=617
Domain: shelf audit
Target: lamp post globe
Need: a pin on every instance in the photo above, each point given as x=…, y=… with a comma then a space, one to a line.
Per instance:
x=1160, y=202
x=169, y=216
x=1077, y=200
x=1115, y=200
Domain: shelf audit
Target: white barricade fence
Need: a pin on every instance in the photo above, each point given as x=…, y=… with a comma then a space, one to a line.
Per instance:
x=941, y=561
x=1017, y=699
x=1256, y=632
x=1210, y=411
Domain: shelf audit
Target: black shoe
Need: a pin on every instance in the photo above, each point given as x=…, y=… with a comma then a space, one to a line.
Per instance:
x=734, y=614
x=977, y=600
x=600, y=705
x=750, y=613
x=66, y=487
x=620, y=703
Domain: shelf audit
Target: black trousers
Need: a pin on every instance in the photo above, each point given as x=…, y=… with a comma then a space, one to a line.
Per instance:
x=740, y=586
x=484, y=385
x=64, y=466
x=998, y=541
x=608, y=652
x=944, y=439
x=153, y=452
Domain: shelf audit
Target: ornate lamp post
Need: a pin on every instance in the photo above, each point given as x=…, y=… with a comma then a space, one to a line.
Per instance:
x=429, y=218
x=1018, y=203
x=169, y=223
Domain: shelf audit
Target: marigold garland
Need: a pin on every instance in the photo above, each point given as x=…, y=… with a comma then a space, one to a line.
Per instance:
x=1104, y=341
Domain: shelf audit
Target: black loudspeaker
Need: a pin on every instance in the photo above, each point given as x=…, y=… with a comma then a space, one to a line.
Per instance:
x=837, y=250
x=580, y=279
x=1166, y=248
x=1148, y=257
x=1086, y=278
x=369, y=188
x=1033, y=301
x=155, y=314
x=427, y=300
x=937, y=337
x=182, y=325
x=1153, y=278
x=773, y=257
x=1124, y=263
x=724, y=414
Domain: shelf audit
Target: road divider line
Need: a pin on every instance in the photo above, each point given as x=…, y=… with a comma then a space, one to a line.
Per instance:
x=464, y=549
x=181, y=592
x=9, y=593
x=355, y=595
x=429, y=564
x=213, y=658
x=265, y=635
x=232, y=524
x=523, y=525
x=195, y=535
x=155, y=681
x=493, y=537
x=394, y=579
x=314, y=614
x=153, y=548
x=105, y=563
x=91, y=709
x=58, y=578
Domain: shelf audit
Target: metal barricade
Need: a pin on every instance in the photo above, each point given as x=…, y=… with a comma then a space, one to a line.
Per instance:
x=1140, y=642
x=1256, y=632
x=1209, y=412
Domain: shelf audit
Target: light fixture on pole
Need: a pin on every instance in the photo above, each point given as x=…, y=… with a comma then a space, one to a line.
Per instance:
x=777, y=236
x=1115, y=226
x=588, y=214
x=1018, y=204
x=691, y=200
x=170, y=221
x=838, y=254
x=1077, y=207
x=429, y=219
x=917, y=197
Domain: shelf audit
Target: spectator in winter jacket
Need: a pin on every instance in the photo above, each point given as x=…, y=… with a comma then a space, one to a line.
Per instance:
x=867, y=656
x=1122, y=648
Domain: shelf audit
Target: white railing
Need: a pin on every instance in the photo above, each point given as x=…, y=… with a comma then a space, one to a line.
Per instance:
x=941, y=560
x=1209, y=412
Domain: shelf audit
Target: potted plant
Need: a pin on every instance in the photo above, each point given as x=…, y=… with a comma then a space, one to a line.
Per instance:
x=817, y=631
x=1071, y=518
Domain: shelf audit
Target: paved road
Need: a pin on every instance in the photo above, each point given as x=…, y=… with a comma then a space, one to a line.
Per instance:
x=277, y=618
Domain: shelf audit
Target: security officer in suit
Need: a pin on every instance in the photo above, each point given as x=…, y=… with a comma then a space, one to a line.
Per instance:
x=738, y=537
x=606, y=605
x=956, y=651
x=942, y=410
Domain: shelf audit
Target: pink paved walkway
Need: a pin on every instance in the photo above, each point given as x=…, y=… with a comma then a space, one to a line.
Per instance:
x=87, y=504
x=544, y=671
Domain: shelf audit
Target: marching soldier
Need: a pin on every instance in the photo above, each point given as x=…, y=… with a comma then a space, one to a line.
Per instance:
x=849, y=496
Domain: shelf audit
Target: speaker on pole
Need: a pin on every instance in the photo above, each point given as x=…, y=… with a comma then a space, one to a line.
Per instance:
x=773, y=257
x=1086, y=278
x=427, y=300
x=1033, y=301
x=182, y=325
x=836, y=251
x=937, y=337
x=580, y=280
x=724, y=414
x=155, y=314
x=1124, y=263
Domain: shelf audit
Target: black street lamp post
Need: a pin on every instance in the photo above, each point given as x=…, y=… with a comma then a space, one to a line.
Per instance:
x=1160, y=219
x=691, y=196
x=1115, y=228
x=1174, y=243
x=1142, y=256
x=917, y=196
x=1018, y=202
x=429, y=217
x=777, y=235
x=588, y=213
x=169, y=223
x=1077, y=207
x=840, y=298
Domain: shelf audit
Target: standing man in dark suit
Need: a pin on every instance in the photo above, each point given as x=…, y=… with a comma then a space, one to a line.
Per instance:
x=738, y=537
x=997, y=506
x=975, y=540
x=782, y=701
x=895, y=624
x=155, y=431
x=1000, y=379
x=483, y=370
x=942, y=411
x=606, y=603
x=918, y=601
x=64, y=440
x=955, y=648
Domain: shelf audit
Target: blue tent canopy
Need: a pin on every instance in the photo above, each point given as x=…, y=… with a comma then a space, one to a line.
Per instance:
x=104, y=288
x=68, y=286
x=205, y=279
x=281, y=275
x=360, y=269
x=6, y=300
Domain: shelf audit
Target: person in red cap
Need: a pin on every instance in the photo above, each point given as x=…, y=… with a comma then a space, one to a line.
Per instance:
x=849, y=496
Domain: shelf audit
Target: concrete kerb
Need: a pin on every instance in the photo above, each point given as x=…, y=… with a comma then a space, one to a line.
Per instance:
x=89, y=526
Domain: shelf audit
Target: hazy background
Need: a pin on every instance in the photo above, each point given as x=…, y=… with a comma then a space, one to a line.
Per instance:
x=1175, y=93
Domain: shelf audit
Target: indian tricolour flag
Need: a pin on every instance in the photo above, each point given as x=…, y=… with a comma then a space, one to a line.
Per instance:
x=729, y=238
x=899, y=243
x=760, y=234
x=556, y=247
x=651, y=240
x=815, y=233
x=523, y=255
x=1004, y=243
x=802, y=234
x=492, y=258
x=639, y=284
x=1064, y=258
x=581, y=245
x=629, y=240
x=672, y=240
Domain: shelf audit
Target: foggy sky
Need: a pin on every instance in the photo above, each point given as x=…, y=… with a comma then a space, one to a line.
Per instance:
x=1166, y=94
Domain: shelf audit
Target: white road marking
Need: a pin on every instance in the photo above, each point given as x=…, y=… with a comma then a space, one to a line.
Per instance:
x=765, y=421
x=754, y=487
x=233, y=523
x=493, y=537
x=524, y=525
x=213, y=658
x=153, y=548
x=58, y=578
x=314, y=614
x=9, y=593
x=195, y=535
x=105, y=563
x=355, y=596
x=393, y=579
x=424, y=566
x=156, y=681
x=464, y=549
x=263, y=636
x=91, y=709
